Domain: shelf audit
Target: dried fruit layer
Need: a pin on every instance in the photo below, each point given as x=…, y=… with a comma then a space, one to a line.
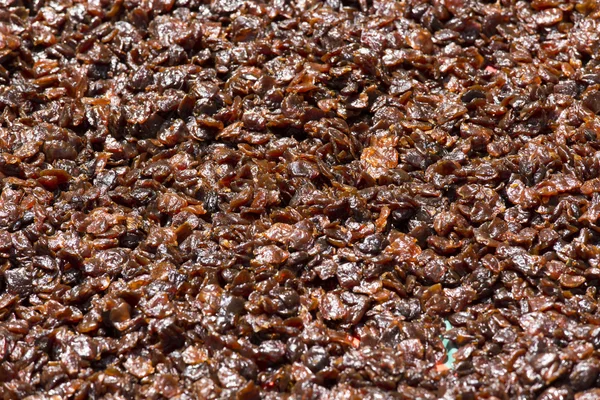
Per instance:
x=236, y=199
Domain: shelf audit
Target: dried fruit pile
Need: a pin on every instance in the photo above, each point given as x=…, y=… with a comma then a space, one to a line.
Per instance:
x=289, y=199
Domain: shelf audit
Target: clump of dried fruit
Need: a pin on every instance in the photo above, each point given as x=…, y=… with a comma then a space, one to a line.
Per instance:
x=280, y=199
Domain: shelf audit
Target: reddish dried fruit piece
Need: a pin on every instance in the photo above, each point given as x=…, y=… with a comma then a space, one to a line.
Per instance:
x=170, y=203
x=571, y=281
x=332, y=308
x=420, y=39
x=402, y=247
x=549, y=17
x=270, y=255
x=52, y=178
x=380, y=156
x=138, y=367
x=289, y=235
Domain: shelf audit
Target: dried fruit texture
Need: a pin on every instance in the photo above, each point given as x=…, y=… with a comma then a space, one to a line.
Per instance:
x=255, y=199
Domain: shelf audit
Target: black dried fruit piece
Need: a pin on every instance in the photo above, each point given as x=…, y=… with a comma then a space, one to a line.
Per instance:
x=18, y=281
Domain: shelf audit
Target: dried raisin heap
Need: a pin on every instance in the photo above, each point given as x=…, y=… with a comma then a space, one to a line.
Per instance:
x=307, y=199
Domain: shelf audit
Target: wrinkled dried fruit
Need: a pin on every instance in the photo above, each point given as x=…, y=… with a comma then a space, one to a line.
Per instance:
x=248, y=199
